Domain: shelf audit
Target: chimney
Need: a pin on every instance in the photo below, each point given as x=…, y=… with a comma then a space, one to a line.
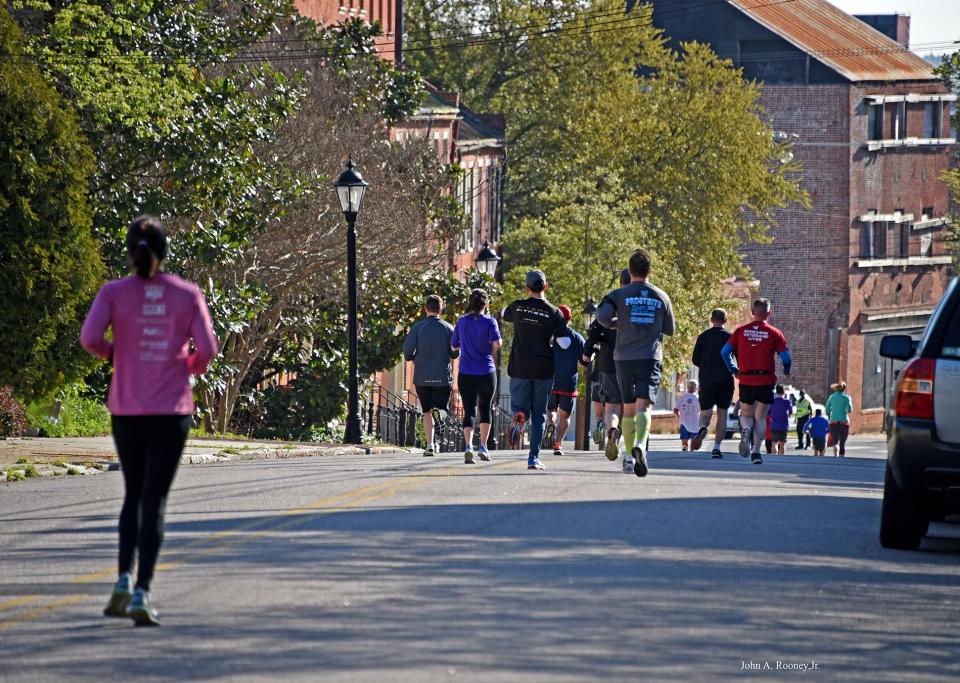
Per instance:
x=894, y=26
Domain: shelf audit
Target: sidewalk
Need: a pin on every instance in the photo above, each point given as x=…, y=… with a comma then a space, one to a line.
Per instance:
x=52, y=457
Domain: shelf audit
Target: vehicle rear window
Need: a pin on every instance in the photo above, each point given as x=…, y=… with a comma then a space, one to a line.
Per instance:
x=951, y=341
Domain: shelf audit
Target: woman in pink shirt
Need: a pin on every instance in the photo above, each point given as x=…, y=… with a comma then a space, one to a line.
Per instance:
x=153, y=316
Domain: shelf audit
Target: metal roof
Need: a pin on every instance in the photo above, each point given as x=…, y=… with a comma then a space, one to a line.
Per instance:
x=842, y=42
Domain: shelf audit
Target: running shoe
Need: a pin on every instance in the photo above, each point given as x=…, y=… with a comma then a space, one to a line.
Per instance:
x=548, y=436
x=612, y=450
x=745, y=442
x=598, y=433
x=756, y=459
x=141, y=611
x=120, y=598
x=640, y=462
x=698, y=439
x=717, y=453
x=428, y=452
x=682, y=447
x=468, y=457
x=515, y=431
x=483, y=453
x=628, y=465
x=535, y=464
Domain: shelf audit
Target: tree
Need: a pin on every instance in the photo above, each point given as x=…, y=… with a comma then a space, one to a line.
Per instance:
x=50, y=266
x=949, y=71
x=230, y=120
x=619, y=142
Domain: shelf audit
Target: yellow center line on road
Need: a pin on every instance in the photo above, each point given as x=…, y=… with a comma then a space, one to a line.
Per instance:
x=229, y=538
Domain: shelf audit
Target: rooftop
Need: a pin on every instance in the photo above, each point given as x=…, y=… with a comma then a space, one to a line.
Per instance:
x=842, y=42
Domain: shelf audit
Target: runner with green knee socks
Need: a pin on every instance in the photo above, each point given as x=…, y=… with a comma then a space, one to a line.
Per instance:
x=641, y=314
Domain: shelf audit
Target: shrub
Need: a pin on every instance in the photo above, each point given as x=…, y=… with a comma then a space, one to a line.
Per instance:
x=13, y=416
x=79, y=416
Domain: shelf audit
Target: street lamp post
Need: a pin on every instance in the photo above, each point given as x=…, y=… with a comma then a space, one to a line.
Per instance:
x=589, y=316
x=350, y=187
x=487, y=262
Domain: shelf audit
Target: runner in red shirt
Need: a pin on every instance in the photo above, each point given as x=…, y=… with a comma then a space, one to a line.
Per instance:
x=755, y=346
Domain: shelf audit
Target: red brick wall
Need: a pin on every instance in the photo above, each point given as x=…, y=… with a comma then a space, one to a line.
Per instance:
x=803, y=272
x=329, y=12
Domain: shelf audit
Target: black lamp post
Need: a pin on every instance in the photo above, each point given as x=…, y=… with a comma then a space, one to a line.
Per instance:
x=487, y=260
x=589, y=316
x=350, y=187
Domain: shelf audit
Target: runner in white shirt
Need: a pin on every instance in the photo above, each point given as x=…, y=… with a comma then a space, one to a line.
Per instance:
x=688, y=410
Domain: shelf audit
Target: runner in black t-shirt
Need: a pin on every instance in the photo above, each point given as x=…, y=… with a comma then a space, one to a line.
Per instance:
x=536, y=324
x=716, y=382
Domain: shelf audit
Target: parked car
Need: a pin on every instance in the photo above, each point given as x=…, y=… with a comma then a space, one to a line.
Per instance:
x=922, y=479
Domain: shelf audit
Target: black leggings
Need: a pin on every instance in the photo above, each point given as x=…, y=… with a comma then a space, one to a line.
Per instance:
x=472, y=388
x=149, y=447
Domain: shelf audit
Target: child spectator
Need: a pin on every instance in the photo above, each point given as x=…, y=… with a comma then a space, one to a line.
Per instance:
x=688, y=411
x=818, y=427
x=780, y=413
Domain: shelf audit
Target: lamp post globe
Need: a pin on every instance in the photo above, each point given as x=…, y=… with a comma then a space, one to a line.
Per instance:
x=589, y=312
x=487, y=260
x=350, y=187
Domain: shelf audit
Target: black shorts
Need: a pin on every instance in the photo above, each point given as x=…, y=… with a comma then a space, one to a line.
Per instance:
x=763, y=394
x=610, y=388
x=639, y=379
x=820, y=443
x=719, y=395
x=564, y=403
x=596, y=394
x=778, y=435
x=433, y=397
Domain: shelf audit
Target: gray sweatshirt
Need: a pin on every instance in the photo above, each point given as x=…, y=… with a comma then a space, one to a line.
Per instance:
x=641, y=314
x=428, y=346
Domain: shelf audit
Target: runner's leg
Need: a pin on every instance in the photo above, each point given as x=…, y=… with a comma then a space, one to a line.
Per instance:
x=128, y=437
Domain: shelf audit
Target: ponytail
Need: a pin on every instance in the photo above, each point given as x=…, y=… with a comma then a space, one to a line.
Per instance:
x=478, y=302
x=142, y=259
x=146, y=238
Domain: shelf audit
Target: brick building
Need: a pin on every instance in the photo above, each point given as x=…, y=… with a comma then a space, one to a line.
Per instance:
x=870, y=123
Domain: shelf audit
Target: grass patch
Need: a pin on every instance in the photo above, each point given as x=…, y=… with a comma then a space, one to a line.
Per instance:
x=73, y=471
x=15, y=475
x=29, y=472
x=23, y=461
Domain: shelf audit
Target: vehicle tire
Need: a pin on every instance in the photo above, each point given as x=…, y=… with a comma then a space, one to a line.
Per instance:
x=903, y=519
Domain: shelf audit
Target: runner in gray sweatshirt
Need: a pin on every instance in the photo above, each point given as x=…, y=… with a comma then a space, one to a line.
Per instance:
x=428, y=346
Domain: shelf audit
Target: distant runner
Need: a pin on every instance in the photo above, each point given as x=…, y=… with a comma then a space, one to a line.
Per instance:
x=839, y=406
x=642, y=314
x=565, y=378
x=755, y=346
x=716, y=382
x=804, y=413
x=780, y=413
x=427, y=344
x=818, y=427
x=687, y=411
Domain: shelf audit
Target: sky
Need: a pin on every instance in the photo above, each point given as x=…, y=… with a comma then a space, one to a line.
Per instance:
x=931, y=21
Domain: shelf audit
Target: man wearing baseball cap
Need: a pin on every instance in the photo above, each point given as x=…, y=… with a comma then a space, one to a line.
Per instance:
x=537, y=325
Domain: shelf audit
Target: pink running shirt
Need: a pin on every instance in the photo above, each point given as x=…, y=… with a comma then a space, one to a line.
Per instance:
x=153, y=323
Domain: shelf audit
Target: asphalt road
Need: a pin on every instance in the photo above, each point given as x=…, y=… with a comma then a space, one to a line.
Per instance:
x=403, y=568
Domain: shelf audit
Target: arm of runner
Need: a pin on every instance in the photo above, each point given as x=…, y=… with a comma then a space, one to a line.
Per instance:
x=697, y=352
x=606, y=312
x=668, y=322
x=201, y=329
x=496, y=340
x=787, y=361
x=410, y=344
x=727, y=354
x=96, y=323
x=507, y=313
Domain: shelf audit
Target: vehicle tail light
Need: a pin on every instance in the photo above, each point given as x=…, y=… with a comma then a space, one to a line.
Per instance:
x=915, y=389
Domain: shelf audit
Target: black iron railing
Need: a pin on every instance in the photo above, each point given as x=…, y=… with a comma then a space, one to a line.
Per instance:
x=394, y=420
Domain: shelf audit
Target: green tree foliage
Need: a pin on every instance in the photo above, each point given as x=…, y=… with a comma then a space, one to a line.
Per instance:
x=616, y=142
x=229, y=120
x=50, y=266
x=949, y=71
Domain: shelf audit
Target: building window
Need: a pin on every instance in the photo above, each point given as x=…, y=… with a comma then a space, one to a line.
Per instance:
x=932, y=122
x=875, y=122
x=873, y=240
x=927, y=214
x=901, y=240
x=900, y=122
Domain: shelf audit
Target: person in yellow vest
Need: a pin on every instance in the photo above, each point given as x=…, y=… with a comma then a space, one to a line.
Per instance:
x=804, y=409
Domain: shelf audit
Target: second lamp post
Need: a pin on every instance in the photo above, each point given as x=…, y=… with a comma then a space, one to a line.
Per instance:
x=350, y=187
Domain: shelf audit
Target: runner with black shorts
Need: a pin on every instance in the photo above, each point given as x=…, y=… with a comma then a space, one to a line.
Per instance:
x=716, y=382
x=642, y=314
x=755, y=346
x=427, y=344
